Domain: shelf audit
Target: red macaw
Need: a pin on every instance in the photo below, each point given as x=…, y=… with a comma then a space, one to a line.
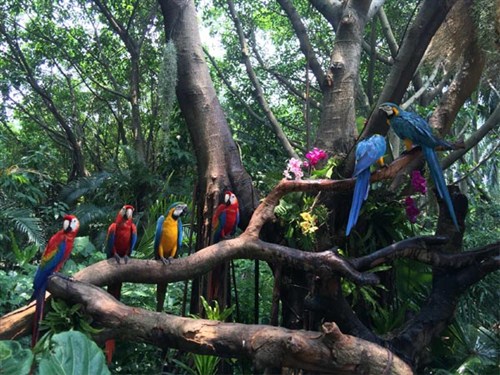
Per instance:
x=54, y=256
x=226, y=218
x=120, y=242
x=224, y=223
x=122, y=235
x=168, y=240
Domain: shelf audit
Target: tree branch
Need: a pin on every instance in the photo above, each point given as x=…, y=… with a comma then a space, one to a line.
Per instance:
x=258, y=88
x=492, y=122
x=430, y=17
x=304, y=42
x=267, y=346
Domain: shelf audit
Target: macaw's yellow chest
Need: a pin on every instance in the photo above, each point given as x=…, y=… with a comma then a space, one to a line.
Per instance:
x=168, y=242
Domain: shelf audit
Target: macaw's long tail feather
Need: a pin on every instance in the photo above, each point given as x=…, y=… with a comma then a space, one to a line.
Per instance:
x=115, y=290
x=161, y=291
x=109, y=350
x=39, y=307
x=217, y=283
x=438, y=177
x=360, y=194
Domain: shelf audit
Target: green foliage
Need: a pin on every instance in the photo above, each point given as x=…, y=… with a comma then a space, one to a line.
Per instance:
x=167, y=81
x=301, y=217
x=72, y=353
x=63, y=317
x=14, y=360
x=207, y=364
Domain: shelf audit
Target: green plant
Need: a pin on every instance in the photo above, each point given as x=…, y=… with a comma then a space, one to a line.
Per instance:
x=63, y=317
x=14, y=360
x=72, y=353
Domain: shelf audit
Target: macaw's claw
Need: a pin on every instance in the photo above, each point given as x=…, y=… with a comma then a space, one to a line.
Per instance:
x=125, y=259
x=117, y=257
x=165, y=260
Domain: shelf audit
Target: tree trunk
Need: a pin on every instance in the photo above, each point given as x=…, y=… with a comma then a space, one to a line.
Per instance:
x=337, y=130
x=218, y=159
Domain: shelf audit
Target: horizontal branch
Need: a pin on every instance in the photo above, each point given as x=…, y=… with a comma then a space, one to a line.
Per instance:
x=423, y=249
x=328, y=351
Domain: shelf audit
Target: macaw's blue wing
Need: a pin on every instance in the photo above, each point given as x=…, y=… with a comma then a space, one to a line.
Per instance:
x=220, y=222
x=368, y=152
x=110, y=240
x=158, y=233
x=439, y=181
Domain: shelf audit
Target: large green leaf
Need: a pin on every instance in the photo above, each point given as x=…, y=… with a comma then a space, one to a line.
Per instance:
x=73, y=353
x=14, y=360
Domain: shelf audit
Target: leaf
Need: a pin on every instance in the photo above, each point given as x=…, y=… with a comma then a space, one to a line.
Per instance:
x=73, y=353
x=14, y=360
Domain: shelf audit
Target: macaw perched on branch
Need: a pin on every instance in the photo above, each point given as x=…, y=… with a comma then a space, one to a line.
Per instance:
x=54, y=256
x=224, y=223
x=168, y=240
x=226, y=217
x=368, y=151
x=120, y=242
x=122, y=235
x=413, y=129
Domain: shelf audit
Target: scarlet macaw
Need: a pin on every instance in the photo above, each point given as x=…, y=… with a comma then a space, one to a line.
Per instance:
x=368, y=151
x=226, y=217
x=54, y=256
x=224, y=223
x=120, y=242
x=168, y=240
x=413, y=129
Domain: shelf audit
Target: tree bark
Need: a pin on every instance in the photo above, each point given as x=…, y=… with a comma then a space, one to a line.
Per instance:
x=430, y=17
x=328, y=351
x=337, y=128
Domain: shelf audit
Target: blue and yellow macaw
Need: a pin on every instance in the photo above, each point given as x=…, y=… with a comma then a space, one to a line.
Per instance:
x=168, y=240
x=413, y=129
x=120, y=242
x=368, y=151
x=54, y=256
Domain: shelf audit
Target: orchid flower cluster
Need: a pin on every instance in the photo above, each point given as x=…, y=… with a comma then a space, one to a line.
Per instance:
x=419, y=184
x=295, y=166
x=308, y=223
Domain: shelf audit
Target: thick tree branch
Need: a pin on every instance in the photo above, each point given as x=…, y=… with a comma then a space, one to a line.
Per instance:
x=327, y=352
x=304, y=42
x=430, y=17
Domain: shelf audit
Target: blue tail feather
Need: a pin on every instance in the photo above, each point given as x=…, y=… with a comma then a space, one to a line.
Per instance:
x=439, y=181
x=39, y=307
x=360, y=195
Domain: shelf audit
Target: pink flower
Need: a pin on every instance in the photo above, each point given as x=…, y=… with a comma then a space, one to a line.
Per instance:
x=315, y=155
x=418, y=182
x=411, y=210
x=294, y=166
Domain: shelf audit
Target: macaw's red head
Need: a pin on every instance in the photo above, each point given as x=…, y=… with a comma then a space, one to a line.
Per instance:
x=127, y=211
x=230, y=199
x=71, y=224
x=390, y=109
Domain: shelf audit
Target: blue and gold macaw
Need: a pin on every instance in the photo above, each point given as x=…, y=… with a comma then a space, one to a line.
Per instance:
x=168, y=240
x=368, y=151
x=413, y=129
x=54, y=256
